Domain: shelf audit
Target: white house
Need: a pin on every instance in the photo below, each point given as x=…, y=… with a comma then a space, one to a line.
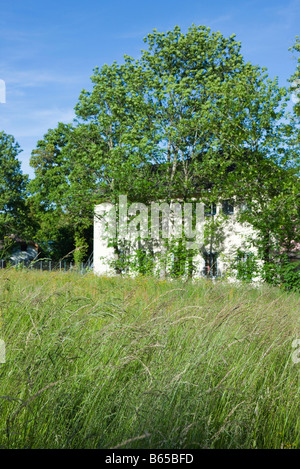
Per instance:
x=212, y=237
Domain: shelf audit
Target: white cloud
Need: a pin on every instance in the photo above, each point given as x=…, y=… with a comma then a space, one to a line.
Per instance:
x=34, y=122
x=32, y=78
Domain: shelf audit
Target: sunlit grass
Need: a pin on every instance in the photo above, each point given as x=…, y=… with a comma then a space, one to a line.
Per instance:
x=142, y=363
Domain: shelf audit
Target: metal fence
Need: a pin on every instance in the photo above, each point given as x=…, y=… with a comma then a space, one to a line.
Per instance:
x=49, y=265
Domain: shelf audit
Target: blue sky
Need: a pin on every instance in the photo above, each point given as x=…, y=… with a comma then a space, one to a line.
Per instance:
x=49, y=49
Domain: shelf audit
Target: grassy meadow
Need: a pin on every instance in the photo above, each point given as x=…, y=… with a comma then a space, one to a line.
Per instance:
x=143, y=363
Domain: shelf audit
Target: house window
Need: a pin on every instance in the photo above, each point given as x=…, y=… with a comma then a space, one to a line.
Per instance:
x=228, y=207
x=210, y=265
x=210, y=209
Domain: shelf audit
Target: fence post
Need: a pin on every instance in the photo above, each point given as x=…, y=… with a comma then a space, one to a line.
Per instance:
x=49, y=266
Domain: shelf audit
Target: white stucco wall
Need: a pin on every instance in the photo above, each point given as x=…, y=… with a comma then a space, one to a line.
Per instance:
x=235, y=235
x=103, y=254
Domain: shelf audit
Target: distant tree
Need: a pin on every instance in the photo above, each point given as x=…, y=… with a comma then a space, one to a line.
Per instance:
x=64, y=190
x=13, y=211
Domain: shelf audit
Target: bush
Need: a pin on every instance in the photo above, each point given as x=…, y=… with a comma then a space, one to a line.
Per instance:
x=283, y=273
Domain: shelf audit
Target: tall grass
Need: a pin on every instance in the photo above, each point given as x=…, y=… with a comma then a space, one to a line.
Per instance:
x=142, y=363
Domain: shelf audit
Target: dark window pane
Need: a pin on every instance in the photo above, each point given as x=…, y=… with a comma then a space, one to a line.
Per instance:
x=210, y=267
x=228, y=207
x=210, y=209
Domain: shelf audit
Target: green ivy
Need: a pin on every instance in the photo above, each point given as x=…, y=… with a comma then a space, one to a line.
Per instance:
x=246, y=266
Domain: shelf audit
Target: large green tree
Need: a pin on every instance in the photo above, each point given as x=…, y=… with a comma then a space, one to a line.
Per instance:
x=58, y=198
x=183, y=116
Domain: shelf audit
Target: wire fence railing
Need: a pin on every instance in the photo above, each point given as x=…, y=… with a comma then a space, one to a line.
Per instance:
x=48, y=265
